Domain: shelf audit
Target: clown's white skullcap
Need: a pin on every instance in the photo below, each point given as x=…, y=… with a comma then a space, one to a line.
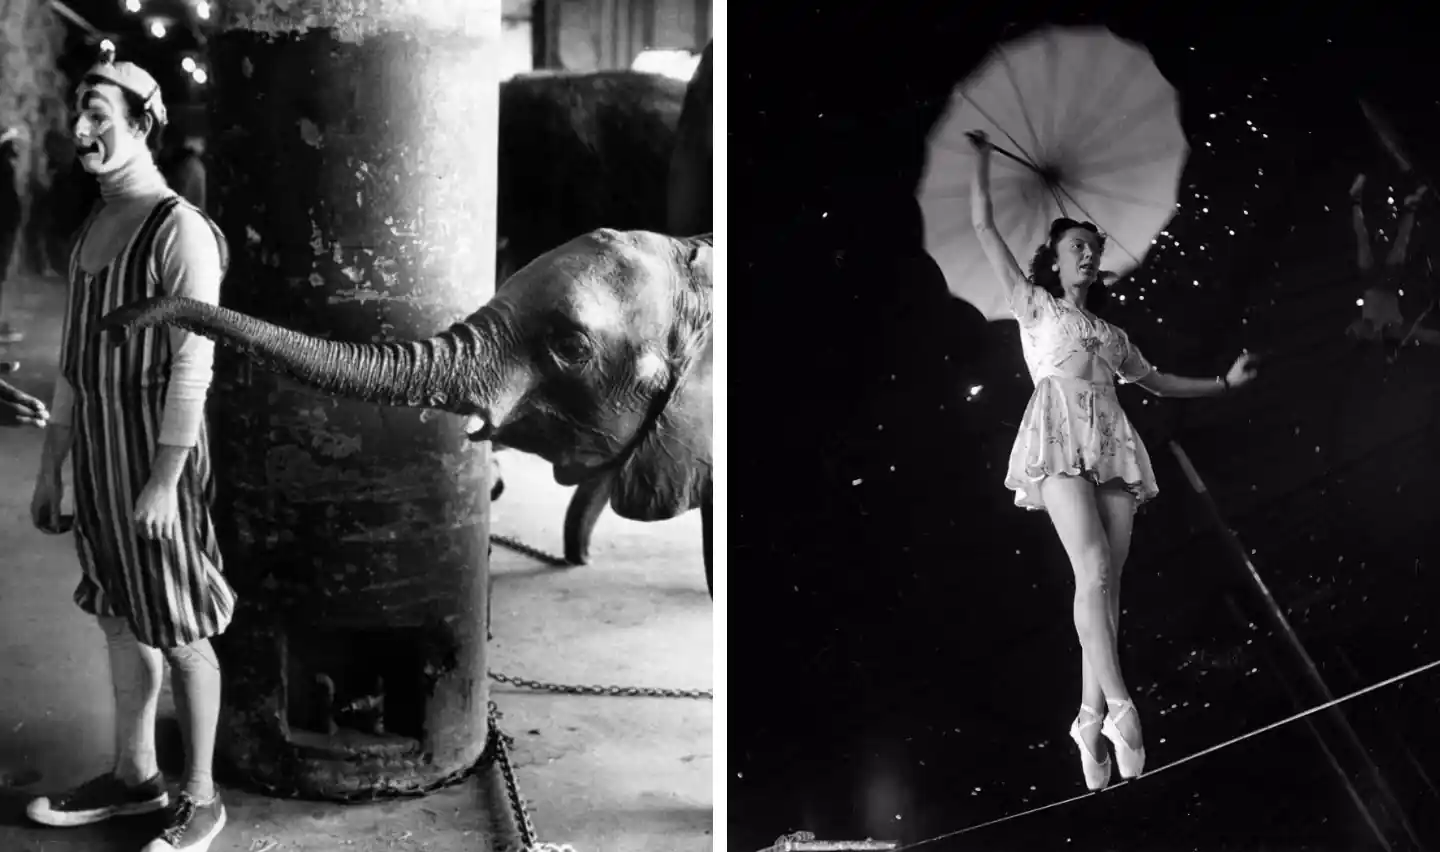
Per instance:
x=133, y=79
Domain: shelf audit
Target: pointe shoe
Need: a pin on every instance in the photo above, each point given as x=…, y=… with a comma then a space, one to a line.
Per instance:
x=1357, y=187
x=1131, y=760
x=1097, y=773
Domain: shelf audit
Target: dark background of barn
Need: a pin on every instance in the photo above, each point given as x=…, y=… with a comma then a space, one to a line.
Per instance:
x=901, y=657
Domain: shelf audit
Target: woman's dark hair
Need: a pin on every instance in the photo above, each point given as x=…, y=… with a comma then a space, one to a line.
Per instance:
x=1042, y=266
x=135, y=106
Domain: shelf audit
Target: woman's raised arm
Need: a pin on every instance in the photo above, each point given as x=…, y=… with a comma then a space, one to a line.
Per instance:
x=982, y=213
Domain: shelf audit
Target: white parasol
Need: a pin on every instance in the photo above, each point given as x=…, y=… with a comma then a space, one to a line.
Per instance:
x=1084, y=126
x=1385, y=131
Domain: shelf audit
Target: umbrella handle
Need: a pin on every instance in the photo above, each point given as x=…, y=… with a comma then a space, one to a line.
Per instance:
x=1047, y=176
x=1022, y=161
x=977, y=137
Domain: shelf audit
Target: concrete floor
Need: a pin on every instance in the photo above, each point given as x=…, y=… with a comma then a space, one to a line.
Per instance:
x=616, y=774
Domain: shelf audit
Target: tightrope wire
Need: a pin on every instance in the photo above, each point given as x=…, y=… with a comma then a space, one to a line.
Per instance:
x=1174, y=763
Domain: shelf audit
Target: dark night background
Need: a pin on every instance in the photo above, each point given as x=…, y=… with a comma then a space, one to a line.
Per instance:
x=902, y=658
x=185, y=35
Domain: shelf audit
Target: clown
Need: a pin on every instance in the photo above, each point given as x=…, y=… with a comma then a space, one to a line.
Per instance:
x=132, y=419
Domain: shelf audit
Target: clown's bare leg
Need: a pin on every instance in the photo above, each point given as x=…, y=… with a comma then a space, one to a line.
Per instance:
x=136, y=671
x=197, y=703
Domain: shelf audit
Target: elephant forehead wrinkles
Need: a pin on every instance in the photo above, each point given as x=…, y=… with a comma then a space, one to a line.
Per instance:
x=649, y=366
x=594, y=308
x=606, y=281
x=574, y=295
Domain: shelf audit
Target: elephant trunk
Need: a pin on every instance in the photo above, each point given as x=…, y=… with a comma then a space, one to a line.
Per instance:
x=419, y=374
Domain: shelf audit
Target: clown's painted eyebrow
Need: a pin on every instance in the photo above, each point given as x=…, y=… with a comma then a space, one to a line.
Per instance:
x=91, y=97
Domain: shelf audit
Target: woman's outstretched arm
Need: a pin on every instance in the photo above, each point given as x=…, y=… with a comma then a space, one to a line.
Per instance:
x=1164, y=384
x=982, y=213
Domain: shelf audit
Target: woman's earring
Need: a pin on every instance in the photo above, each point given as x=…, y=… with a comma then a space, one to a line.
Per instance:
x=1054, y=267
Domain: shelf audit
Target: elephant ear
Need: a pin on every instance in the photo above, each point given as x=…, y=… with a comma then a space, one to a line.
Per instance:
x=669, y=471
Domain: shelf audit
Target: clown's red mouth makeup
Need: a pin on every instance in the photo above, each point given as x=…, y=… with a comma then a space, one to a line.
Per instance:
x=94, y=130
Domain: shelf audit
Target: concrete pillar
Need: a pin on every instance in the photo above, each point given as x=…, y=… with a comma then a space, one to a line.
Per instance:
x=354, y=173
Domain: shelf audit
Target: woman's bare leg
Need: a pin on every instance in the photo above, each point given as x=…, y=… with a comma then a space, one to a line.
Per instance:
x=1072, y=506
x=1117, y=515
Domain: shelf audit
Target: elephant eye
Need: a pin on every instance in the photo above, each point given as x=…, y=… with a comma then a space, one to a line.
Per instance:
x=570, y=346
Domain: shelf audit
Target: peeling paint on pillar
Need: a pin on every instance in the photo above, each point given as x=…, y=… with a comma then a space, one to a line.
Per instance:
x=354, y=21
x=355, y=148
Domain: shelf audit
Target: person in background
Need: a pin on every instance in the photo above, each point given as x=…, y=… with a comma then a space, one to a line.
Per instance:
x=31, y=236
x=46, y=195
x=1380, y=316
x=186, y=175
x=11, y=216
x=132, y=418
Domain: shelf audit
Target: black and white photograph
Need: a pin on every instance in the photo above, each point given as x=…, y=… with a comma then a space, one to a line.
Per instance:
x=358, y=400
x=1081, y=428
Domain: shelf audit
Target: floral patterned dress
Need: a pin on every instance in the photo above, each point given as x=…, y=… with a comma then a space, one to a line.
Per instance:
x=1073, y=423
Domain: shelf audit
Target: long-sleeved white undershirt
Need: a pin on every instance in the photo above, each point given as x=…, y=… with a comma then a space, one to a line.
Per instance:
x=186, y=260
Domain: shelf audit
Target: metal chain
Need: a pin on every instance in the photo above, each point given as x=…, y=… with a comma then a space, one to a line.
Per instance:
x=575, y=689
x=521, y=547
x=613, y=691
x=504, y=742
x=518, y=807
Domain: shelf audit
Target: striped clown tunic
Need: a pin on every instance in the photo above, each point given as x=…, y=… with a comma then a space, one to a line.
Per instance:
x=172, y=593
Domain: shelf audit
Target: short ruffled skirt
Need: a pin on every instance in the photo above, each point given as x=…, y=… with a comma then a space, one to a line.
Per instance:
x=1075, y=427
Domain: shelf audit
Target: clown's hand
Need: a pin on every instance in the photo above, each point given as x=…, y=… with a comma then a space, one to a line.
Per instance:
x=157, y=512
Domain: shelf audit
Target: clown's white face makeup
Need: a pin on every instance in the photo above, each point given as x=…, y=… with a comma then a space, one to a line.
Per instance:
x=104, y=138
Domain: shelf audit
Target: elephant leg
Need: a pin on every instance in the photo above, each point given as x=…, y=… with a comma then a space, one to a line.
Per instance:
x=586, y=506
x=497, y=478
x=707, y=531
x=490, y=601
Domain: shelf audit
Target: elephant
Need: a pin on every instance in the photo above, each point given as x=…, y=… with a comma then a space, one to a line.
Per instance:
x=690, y=205
x=690, y=209
x=600, y=144
x=596, y=356
x=579, y=152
